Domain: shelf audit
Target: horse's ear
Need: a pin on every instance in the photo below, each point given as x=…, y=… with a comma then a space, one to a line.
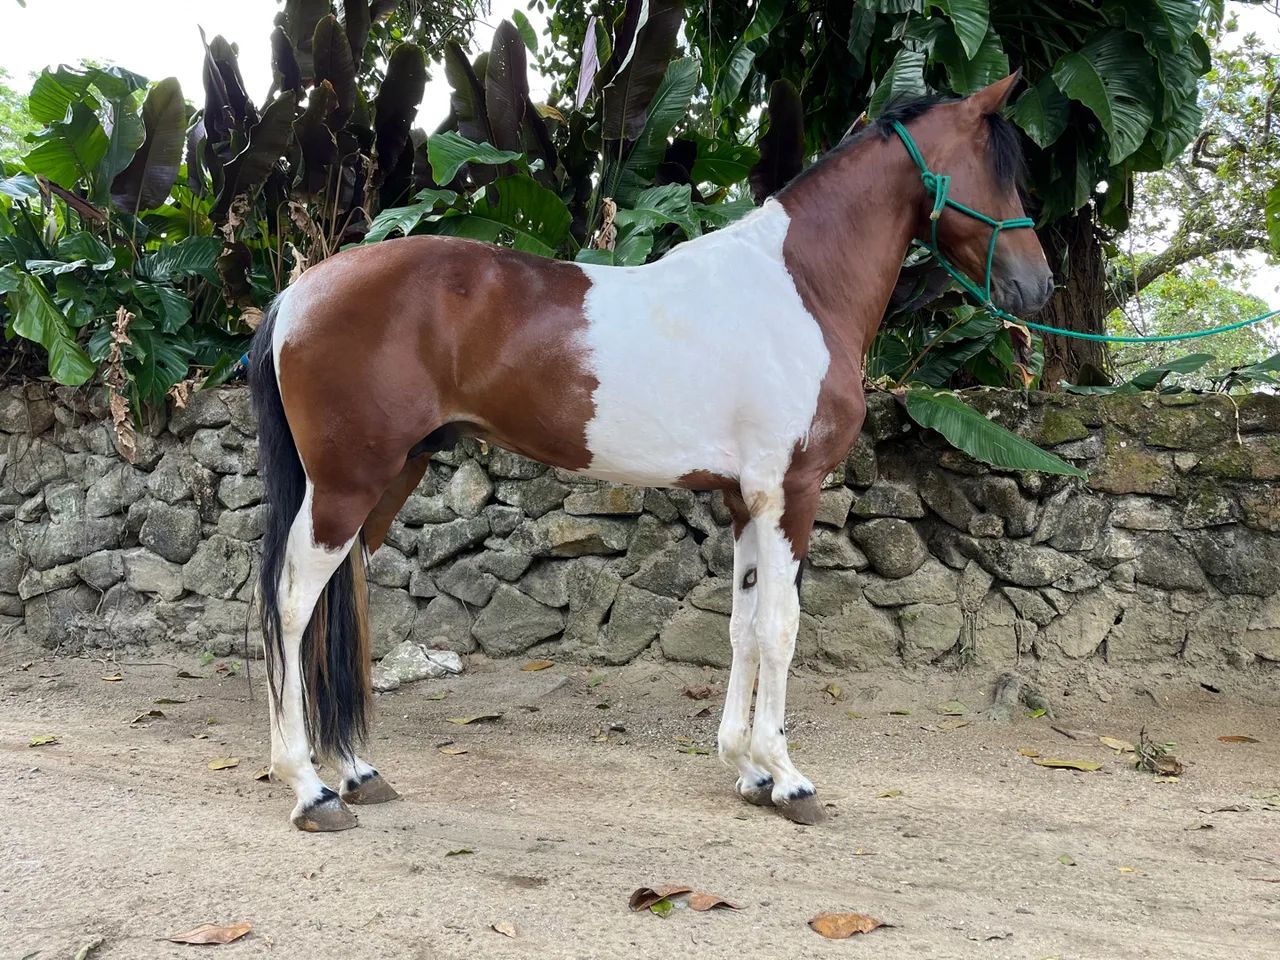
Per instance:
x=991, y=99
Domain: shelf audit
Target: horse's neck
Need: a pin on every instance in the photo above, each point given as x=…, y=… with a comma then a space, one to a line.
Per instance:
x=851, y=222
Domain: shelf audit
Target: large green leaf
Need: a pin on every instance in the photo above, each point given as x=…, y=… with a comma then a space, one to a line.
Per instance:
x=125, y=135
x=970, y=431
x=300, y=20
x=658, y=206
x=189, y=257
x=527, y=33
x=56, y=90
x=404, y=219
x=268, y=141
x=467, y=96
x=145, y=183
x=515, y=207
x=448, y=151
x=69, y=152
x=632, y=87
x=966, y=75
x=20, y=186
x=1116, y=79
x=1042, y=112
x=1162, y=23
x=631, y=250
x=669, y=105
x=969, y=18
x=315, y=139
x=737, y=66
x=35, y=317
x=723, y=163
x=395, y=109
x=904, y=78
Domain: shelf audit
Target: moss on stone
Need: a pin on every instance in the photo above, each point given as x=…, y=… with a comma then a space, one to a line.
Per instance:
x=1258, y=458
x=1059, y=426
x=1193, y=427
x=1126, y=467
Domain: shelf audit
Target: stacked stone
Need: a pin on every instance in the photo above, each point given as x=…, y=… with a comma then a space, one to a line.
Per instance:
x=920, y=555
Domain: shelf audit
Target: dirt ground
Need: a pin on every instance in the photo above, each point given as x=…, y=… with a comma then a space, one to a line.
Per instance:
x=122, y=832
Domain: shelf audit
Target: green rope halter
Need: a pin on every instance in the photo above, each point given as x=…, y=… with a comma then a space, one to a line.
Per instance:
x=938, y=187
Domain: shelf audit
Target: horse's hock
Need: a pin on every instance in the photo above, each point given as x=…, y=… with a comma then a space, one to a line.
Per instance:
x=1171, y=550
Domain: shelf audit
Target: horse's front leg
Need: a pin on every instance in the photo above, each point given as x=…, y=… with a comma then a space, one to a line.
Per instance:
x=783, y=522
x=754, y=785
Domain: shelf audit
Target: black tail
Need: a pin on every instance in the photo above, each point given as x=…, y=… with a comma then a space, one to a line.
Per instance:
x=335, y=646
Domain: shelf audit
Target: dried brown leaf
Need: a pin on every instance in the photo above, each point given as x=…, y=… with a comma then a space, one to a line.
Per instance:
x=701, y=692
x=1086, y=766
x=264, y=774
x=504, y=927
x=702, y=902
x=645, y=897
x=114, y=678
x=834, y=692
x=1236, y=738
x=213, y=933
x=1119, y=746
x=44, y=740
x=842, y=926
x=224, y=763
x=535, y=665
x=452, y=750
x=474, y=718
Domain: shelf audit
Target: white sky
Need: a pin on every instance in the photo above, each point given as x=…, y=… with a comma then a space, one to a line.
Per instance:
x=160, y=38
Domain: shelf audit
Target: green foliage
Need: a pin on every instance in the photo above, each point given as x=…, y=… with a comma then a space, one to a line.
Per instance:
x=15, y=120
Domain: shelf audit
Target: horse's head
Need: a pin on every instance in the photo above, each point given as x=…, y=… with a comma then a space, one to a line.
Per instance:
x=974, y=160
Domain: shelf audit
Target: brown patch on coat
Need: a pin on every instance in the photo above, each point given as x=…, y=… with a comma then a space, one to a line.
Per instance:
x=388, y=343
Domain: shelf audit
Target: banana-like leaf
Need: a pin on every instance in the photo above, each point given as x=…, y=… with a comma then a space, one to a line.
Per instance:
x=145, y=183
x=588, y=66
x=658, y=206
x=969, y=18
x=125, y=135
x=631, y=250
x=227, y=108
x=1042, y=112
x=630, y=91
x=331, y=51
x=970, y=431
x=357, y=19
x=968, y=74
x=862, y=25
x=1163, y=24
x=35, y=317
x=670, y=103
x=55, y=91
x=467, y=95
x=189, y=257
x=315, y=139
x=448, y=151
x=782, y=146
x=284, y=62
x=518, y=207
x=737, y=66
x=1113, y=76
x=397, y=104
x=268, y=141
x=300, y=20
x=69, y=152
x=904, y=78
x=20, y=186
x=404, y=219
x=506, y=87
x=722, y=163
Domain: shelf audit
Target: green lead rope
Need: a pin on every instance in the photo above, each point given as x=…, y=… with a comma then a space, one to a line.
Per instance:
x=939, y=187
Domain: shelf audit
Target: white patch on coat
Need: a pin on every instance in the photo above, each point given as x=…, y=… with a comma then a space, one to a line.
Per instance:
x=706, y=360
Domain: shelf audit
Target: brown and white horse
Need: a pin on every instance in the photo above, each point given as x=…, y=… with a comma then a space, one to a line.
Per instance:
x=733, y=363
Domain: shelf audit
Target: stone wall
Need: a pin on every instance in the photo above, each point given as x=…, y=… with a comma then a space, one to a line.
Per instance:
x=1171, y=550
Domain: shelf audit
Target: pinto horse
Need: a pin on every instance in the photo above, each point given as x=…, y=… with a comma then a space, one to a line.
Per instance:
x=734, y=363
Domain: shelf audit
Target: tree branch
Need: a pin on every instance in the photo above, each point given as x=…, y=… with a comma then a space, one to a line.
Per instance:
x=1182, y=250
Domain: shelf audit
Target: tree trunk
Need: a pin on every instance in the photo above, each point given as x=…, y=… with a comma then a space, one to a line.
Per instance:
x=1080, y=302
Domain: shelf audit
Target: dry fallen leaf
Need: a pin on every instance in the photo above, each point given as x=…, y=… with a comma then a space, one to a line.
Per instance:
x=1128, y=869
x=841, y=926
x=954, y=723
x=1028, y=752
x=452, y=750
x=700, y=692
x=460, y=852
x=213, y=933
x=1239, y=739
x=149, y=715
x=263, y=774
x=1266, y=879
x=1067, y=860
x=439, y=695
x=114, y=678
x=535, y=665
x=834, y=691
x=952, y=708
x=644, y=897
x=188, y=675
x=224, y=763
x=504, y=927
x=888, y=793
x=1119, y=746
x=475, y=718
x=1087, y=766
x=44, y=740
x=164, y=701
x=702, y=902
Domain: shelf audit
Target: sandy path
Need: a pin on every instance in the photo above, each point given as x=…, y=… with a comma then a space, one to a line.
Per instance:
x=123, y=832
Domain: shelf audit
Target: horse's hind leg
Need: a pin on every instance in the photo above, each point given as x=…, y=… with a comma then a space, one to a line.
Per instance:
x=306, y=570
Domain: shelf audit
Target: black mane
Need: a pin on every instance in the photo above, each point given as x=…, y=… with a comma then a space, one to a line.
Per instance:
x=1004, y=146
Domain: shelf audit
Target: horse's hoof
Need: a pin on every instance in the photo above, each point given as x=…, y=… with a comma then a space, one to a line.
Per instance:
x=759, y=794
x=327, y=815
x=806, y=810
x=372, y=789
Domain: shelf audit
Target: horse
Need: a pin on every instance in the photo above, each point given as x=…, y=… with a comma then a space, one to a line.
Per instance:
x=733, y=363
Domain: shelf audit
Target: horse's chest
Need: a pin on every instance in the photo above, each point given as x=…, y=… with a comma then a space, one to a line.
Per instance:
x=705, y=363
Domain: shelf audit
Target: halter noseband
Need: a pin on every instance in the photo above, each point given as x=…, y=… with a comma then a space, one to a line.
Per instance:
x=938, y=185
